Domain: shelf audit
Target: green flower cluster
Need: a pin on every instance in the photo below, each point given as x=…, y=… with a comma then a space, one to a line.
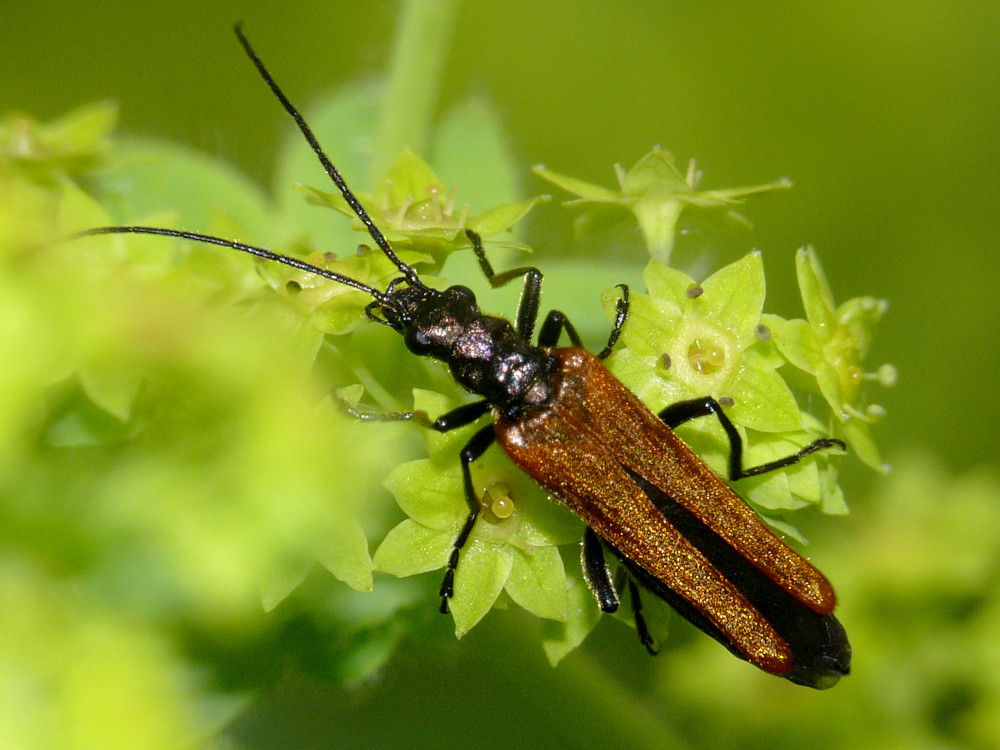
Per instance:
x=656, y=192
x=421, y=219
x=288, y=483
x=683, y=339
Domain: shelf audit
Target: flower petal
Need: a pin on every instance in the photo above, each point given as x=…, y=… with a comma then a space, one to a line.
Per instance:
x=482, y=571
x=411, y=548
x=537, y=582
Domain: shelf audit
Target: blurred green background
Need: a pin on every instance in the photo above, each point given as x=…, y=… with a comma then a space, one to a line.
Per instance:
x=884, y=115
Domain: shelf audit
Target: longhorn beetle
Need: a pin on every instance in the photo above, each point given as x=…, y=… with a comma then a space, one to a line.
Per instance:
x=567, y=422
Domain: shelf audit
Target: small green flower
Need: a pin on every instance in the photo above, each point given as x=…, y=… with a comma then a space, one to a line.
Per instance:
x=656, y=192
x=415, y=210
x=74, y=143
x=705, y=339
x=421, y=219
x=684, y=340
x=333, y=307
x=830, y=345
x=513, y=544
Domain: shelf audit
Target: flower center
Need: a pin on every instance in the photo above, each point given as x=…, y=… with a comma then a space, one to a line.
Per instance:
x=706, y=356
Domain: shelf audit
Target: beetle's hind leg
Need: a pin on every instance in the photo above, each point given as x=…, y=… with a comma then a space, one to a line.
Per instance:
x=683, y=411
x=606, y=589
x=645, y=638
x=596, y=572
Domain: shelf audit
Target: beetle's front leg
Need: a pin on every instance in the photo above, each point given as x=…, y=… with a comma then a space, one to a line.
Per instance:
x=475, y=448
x=477, y=445
x=556, y=322
x=452, y=420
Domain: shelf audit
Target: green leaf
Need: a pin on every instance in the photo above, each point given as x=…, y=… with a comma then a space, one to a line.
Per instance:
x=655, y=171
x=278, y=586
x=409, y=179
x=784, y=529
x=794, y=339
x=816, y=295
x=544, y=521
x=471, y=149
x=763, y=400
x=84, y=130
x=501, y=218
x=77, y=142
x=652, y=325
x=345, y=554
x=153, y=177
x=586, y=190
x=667, y=284
x=443, y=447
x=857, y=434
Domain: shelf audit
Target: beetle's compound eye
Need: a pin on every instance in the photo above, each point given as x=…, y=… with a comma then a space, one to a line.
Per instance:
x=416, y=341
x=461, y=297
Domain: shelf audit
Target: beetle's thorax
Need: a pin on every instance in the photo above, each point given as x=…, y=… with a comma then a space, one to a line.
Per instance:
x=485, y=354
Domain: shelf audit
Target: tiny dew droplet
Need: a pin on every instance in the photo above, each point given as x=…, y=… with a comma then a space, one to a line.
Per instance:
x=498, y=500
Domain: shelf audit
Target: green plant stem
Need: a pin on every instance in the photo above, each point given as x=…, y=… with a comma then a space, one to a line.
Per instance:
x=414, y=78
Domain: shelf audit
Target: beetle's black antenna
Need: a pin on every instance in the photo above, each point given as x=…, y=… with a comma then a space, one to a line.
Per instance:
x=260, y=252
x=411, y=275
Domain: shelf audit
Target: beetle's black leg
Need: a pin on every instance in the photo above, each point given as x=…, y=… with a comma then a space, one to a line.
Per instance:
x=641, y=629
x=477, y=445
x=556, y=322
x=475, y=448
x=527, y=309
x=621, y=313
x=596, y=572
x=683, y=411
x=598, y=576
x=553, y=326
x=531, y=292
